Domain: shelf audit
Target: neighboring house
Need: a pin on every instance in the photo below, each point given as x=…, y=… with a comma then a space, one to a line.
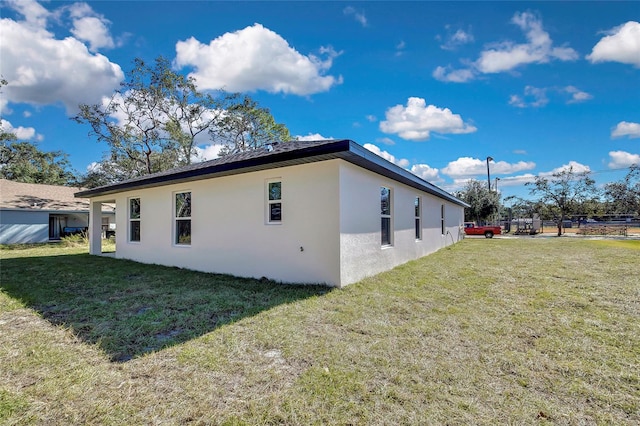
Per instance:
x=327, y=212
x=34, y=213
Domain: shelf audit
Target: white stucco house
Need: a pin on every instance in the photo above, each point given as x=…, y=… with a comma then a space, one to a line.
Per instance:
x=327, y=212
x=36, y=213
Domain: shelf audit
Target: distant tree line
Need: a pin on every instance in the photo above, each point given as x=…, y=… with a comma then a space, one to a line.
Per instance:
x=22, y=161
x=558, y=197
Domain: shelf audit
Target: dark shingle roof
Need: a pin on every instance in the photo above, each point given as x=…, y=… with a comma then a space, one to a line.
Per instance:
x=278, y=155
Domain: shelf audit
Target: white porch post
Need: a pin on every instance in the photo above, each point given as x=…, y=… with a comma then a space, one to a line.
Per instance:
x=95, y=228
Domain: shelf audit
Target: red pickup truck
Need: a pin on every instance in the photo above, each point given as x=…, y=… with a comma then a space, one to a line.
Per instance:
x=471, y=228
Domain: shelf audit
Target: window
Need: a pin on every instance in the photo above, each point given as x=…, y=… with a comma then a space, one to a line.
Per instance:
x=442, y=218
x=134, y=219
x=418, y=215
x=183, y=218
x=274, y=202
x=385, y=216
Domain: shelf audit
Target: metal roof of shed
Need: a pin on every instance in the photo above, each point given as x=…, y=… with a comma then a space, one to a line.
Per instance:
x=279, y=155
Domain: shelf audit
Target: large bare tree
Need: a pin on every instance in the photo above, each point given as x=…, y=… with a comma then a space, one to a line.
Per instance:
x=156, y=118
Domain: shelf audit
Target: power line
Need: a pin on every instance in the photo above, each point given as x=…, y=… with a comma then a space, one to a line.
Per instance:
x=611, y=170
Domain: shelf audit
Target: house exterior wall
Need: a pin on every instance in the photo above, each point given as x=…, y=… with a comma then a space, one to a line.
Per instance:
x=21, y=227
x=362, y=253
x=229, y=230
x=330, y=231
x=32, y=226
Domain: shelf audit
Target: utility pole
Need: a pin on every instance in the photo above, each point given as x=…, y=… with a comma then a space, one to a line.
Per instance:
x=498, y=194
x=488, y=174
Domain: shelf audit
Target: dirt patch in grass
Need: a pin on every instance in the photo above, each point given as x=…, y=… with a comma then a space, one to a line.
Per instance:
x=510, y=331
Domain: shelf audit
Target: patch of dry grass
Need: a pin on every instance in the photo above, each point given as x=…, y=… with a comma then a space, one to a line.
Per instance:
x=502, y=331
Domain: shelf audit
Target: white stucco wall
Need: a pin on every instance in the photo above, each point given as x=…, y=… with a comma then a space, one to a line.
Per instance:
x=19, y=227
x=229, y=229
x=362, y=254
x=330, y=209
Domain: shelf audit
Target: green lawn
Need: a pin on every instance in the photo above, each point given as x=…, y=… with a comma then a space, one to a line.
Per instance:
x=502, y=331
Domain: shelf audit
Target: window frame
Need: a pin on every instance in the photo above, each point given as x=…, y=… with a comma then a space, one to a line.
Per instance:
x=386, y=217
x=417, y=211
x=182, y=219
x=131, y=220
x=269, y=201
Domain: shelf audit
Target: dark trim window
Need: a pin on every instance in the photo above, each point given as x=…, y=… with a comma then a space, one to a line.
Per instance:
x=442, y=218
x=418, y=217
x=386, y=230
x=274, y=202
x=134, y=219
x=182, y=218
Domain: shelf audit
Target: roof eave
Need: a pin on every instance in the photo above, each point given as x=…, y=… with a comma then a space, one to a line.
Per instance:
x=344, y=149
x=282, y=159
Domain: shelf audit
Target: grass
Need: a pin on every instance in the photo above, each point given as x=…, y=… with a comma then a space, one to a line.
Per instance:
x=502, y=331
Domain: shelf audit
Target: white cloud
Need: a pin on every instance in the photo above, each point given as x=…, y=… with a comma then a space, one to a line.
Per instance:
x=22, y=133
x=312, y=137
x=358, y=16
x=256, y=58
x=417, y=120
x=577, y=95
x=456, y=39
x=574, y=165
x=516, y=180
x=208, y=152
x=621, y=44
x=94, y=167
x=90, y=27
x=454, y=76
x=621, y=159
x=507, y=55
x=533, y=97
x=465, y=167
x=94, y=31
x=625, y=128
x=402, y=162
x=386, y=141
x=43, y=70
x=426, y=172
x=539, y=48
x=35, y=15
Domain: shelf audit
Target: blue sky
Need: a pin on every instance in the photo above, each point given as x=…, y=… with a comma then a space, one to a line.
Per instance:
x=435, y=87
